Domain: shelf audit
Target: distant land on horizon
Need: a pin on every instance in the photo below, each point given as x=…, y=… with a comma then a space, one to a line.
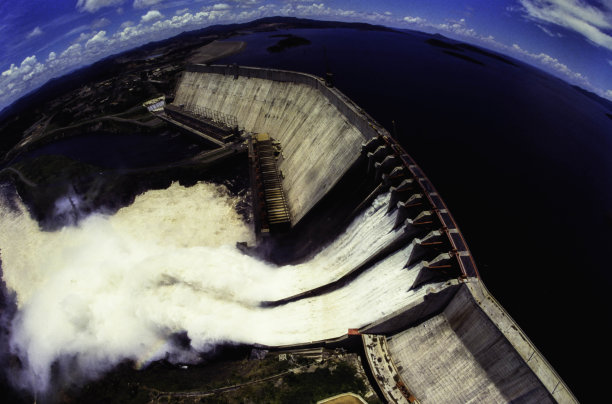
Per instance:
x=79, y=76
x=103, y=68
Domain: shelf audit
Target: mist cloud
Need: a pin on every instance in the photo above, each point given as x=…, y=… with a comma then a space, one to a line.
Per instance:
x=119, y=287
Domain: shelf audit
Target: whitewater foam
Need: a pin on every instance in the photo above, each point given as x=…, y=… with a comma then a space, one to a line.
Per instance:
x=117, y=287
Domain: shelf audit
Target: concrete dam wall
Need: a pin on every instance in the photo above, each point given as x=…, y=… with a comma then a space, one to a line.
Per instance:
x=401, y=272
x=320, y=130
x=473, y=360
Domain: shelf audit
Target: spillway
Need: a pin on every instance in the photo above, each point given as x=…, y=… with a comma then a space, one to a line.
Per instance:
x=396, y=269
x=142, y=271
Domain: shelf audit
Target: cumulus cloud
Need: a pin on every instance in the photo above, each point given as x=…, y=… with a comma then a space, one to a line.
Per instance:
x=151, y=15
x=72, y=51
x=455, y=27
x=98, y=39
x=458, y=27
x=35, y=32
x=414, y=20
x=18, y=78
x=145, y=3
x=553, y=64
x=84, y=37
x=94, y=5
x=589, y=20
x=320, y=10
x=24, y=71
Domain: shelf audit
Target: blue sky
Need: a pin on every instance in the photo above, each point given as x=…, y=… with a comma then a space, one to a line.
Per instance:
x=42, y=39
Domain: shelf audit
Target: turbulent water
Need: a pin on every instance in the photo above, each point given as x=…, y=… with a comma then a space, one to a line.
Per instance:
x=117, y=287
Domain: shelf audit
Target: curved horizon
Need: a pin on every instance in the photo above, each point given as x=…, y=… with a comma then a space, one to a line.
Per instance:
x=570, y=39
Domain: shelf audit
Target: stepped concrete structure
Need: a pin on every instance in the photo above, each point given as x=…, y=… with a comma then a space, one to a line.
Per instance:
x=439, y=336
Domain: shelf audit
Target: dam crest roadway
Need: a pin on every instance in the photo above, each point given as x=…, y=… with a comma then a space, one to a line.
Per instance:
x=320, y=166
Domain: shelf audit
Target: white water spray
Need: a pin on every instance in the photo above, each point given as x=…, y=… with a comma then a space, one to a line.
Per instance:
x=119, y=286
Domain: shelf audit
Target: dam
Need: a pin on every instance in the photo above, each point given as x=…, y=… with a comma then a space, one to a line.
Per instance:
x=398, y=272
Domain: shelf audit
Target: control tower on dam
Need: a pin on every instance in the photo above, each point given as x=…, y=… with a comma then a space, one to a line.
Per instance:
x=398, y=273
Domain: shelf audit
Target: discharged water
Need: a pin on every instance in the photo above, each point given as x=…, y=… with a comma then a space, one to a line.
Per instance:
x=119, y=286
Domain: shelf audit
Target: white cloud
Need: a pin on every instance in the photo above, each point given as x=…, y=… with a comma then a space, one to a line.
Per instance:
x=320, y=10
x=181, y=11
x=313, y=8
x=221, y=6
x=589, y=20
x=100, y=23
x=77, y=30
x=72, y=51
x=94, y=5
x=35, y=32
x=99, y=39
x=27, y=65
x=458, y=27
x=11, y=72
x=553, y=64
x=414, y=20
x=84, y=37
x=145, y=3
x=17, y=79
x=610, y=62
x=608, y=94
x=151, y=15
x=549, y=32
x=251, y=3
